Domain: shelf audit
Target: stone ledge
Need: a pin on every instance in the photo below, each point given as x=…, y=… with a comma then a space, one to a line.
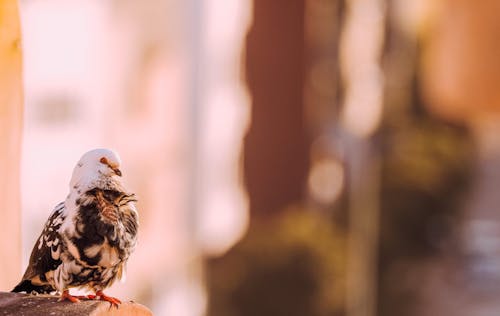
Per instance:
x=36, y=305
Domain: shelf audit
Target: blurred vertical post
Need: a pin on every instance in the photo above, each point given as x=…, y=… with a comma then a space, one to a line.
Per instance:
x=360, y=53
x=323, y=23
x=10, y=141
x=276, y=148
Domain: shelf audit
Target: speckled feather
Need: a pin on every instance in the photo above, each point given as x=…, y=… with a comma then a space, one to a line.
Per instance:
x=89, y=237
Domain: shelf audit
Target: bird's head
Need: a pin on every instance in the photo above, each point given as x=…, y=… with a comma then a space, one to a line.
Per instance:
x=95, y=166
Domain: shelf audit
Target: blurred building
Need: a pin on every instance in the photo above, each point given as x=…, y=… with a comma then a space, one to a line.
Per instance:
x=158, y=81
x=364, y=132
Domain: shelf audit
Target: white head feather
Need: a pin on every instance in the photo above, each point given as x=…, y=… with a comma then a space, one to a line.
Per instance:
x=98, y=168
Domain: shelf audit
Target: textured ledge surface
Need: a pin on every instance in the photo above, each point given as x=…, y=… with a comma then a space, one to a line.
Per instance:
x=35, y=305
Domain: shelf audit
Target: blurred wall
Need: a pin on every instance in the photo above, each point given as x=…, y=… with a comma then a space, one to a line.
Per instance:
x=461, y=65
x=10, y=138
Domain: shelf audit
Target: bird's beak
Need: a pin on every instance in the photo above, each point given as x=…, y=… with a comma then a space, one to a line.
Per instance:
x=117, y=171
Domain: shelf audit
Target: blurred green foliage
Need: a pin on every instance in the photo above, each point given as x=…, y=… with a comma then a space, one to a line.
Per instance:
x=292, y=264
x=427, y=166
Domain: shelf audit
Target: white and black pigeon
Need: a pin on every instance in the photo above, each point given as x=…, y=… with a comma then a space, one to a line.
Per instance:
x=89, y=237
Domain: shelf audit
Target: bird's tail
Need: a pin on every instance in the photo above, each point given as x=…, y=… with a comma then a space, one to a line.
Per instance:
x=28, y=287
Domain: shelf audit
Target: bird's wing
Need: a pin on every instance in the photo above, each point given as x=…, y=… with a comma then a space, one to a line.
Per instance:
x=129, y=217
x=46, y=252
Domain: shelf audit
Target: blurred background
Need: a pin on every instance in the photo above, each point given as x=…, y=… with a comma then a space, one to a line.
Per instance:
x=291, y=157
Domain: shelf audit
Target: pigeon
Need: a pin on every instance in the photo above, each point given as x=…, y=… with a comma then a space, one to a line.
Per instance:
x=89, y=237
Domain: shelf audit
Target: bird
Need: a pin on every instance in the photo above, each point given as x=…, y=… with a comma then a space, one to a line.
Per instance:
x=88, y=237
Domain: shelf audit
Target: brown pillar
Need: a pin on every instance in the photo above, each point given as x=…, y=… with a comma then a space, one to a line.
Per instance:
x=276, y=148
x=10, y=140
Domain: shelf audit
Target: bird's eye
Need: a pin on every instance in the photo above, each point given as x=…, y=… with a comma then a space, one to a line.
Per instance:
x=103, y=160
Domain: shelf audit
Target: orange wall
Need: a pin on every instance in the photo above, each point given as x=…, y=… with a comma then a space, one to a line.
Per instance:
x=10, y=141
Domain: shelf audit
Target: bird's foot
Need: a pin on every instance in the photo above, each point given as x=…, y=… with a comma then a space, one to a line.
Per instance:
x=65, y=296
x=103, y=297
